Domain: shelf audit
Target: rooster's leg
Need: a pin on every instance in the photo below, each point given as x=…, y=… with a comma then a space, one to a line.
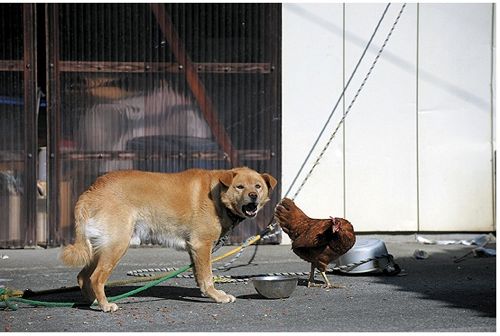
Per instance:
x=310, y=282
x=328, y=284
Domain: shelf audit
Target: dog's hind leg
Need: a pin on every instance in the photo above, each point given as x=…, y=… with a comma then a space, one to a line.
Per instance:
x=84, y=282
x=107, y=259
x=200, y=253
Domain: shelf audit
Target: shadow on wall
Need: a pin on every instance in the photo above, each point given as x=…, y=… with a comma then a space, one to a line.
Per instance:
x=458, y=92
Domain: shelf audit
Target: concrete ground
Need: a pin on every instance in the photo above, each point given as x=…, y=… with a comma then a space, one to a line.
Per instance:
x=433, y=294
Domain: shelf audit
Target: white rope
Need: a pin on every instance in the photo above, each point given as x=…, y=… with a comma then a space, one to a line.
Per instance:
x=348, y=109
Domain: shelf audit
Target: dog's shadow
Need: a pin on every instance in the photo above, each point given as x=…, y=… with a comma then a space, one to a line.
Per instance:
x=187, y=294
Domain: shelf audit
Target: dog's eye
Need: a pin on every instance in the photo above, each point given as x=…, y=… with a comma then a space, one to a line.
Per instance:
x=240, y=186
x=258, y=186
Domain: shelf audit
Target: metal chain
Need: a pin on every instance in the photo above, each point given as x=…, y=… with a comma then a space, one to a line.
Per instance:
x=350, y=105
x=222, y=242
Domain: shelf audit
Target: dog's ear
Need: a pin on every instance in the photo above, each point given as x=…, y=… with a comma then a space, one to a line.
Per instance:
x=270, y=181
x=226, y=178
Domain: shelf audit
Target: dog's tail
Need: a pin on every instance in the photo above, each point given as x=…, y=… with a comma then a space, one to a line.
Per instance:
x=81, y=252
x=78, y=254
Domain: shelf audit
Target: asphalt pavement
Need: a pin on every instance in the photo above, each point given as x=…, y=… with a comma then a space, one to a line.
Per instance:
x=432, y=294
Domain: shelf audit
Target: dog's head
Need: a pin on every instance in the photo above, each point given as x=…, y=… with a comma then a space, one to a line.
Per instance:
x=245, y=191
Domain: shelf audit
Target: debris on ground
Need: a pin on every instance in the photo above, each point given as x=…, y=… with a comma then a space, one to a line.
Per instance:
x=482, y=252
x=480, y=240
x=420, y=254
x=479, y=252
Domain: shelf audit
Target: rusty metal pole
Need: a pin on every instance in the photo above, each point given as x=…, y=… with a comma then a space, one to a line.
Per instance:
x=194, y=82
x=30, y=117
x=54, y=124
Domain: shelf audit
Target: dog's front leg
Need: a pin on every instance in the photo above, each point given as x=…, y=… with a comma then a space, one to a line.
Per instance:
x=200, y=252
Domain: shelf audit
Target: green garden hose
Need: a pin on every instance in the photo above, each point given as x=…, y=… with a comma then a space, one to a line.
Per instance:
x=8, y=296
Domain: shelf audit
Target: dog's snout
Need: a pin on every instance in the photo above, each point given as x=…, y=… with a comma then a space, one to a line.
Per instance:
x=253, y=195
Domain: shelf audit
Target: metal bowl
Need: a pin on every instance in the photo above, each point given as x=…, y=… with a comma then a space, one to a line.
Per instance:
x=275, y=286
x=370, y=249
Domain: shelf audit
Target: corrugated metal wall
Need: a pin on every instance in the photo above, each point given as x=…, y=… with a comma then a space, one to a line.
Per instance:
x=160, y=88
x=17, y=126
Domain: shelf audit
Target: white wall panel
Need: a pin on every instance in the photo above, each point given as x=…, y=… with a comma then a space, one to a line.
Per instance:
x=455, y=117
x=410, y=157
x=381, y=188
x=312, y=82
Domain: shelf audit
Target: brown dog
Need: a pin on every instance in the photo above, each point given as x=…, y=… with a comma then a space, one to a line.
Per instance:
x=190, y=209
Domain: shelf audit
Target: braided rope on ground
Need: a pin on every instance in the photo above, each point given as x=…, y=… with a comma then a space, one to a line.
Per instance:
x=149, y=272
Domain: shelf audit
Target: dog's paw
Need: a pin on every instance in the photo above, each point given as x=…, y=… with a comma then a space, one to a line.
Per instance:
x=222, y=297
x=231, y=298
x=109, y=307
x=227, y=299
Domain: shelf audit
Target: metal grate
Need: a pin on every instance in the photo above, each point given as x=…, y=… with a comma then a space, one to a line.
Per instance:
x=17, y=126
x=161, y=87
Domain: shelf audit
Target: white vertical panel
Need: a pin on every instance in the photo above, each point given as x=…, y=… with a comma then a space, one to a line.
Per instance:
x=454, y=188
x=381, y=187
x=312, y=82
x=493, y=109
x=455, y=117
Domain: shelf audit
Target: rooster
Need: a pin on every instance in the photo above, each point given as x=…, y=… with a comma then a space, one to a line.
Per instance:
x=318, y=241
